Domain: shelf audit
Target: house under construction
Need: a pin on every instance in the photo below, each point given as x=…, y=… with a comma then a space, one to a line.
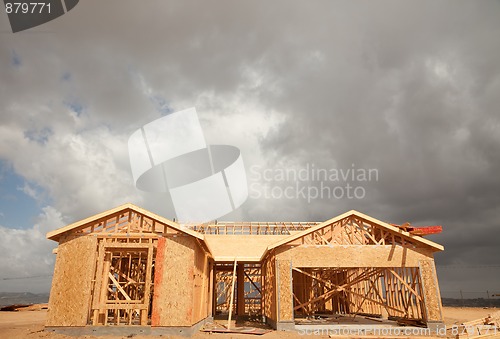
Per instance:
x=129, y=267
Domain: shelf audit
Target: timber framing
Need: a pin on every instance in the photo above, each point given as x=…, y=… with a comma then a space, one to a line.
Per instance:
x=126, y=218
x=130, y=267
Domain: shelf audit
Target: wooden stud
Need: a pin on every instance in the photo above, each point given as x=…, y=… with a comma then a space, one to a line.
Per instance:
x=232, y=296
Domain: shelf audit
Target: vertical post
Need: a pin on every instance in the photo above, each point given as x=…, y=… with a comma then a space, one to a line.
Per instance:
x=232, y=296
x=215, y=290
x=240, y=302
x=103, y=312
x=147, y=285
x=96, y=302
x=211, y=285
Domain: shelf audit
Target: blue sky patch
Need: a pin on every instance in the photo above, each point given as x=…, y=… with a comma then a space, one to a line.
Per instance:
x=16, y=59
x=161, y=104
x=66, y=76
x=40, y=136
x=17, y=209
x=75, y=106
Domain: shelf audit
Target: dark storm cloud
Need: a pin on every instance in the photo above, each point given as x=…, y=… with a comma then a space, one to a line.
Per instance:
x=411, y=95
x=408, y=88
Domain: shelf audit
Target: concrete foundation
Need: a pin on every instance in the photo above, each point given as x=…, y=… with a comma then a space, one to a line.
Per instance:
x=285, y=326
x=79, y=331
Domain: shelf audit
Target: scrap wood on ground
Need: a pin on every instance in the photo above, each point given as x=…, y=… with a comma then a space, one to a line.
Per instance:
x=219, y=328
x=479, y=328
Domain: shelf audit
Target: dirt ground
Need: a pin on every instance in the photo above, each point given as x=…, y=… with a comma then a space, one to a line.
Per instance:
x=30, y=324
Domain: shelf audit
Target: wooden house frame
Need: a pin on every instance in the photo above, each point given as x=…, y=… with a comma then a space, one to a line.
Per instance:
x=128, y=268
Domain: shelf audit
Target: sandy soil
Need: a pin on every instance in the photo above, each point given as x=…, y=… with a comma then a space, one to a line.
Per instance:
x=30, y=324
x=457, y=315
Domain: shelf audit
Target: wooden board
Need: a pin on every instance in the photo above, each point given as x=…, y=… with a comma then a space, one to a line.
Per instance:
x=246, y=248
x=432, y=296
x=72, y=283
x=284, y=290
x=201, y=277
x=182, y=282
x=159, y=272
x=237, y=330
x=269, y=306
x=354, y=256
x=174, y=288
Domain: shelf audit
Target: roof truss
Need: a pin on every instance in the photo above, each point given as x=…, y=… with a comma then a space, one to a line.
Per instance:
x=355, y=228
x=126, y=220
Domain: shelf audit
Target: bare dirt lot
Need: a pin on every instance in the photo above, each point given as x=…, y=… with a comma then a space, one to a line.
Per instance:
x=30, y=324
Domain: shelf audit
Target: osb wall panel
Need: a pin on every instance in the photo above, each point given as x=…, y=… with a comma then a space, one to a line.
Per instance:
x=432, y=297
x=70, y=294
x=244, y=248
x=354, y=256
x=268, y=290
x=173, y=300
x=200, y=284
x=159, y=267
x=284, y=290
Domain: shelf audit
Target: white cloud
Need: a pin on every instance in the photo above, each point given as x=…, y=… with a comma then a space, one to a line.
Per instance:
x=27, y=255
x=80, y=173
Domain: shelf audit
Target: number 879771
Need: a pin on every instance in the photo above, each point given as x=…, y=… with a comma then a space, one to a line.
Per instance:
x=27, y=7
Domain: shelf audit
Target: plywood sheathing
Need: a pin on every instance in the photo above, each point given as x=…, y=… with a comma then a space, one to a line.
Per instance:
x=70, y=295
x=159, y=272
x=247, y=248
x=269, y=306
x=181, y=286
x=431, y=292
x=174, y=303
x=201, y=282
x=353, y=256
x=284, y=290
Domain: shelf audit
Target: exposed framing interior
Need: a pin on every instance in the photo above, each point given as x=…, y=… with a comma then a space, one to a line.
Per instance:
x=357, y=291
x=247, y=289
x=123, y=283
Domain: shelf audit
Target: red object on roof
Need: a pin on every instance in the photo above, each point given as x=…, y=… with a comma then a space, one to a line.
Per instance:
x=424, y=230
x=420, y=230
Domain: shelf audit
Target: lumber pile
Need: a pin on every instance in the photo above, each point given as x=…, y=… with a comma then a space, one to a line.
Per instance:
x=480, y=328
x=419, y=230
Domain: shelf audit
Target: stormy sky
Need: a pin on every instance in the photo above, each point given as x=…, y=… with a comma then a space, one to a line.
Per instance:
x=409, y=89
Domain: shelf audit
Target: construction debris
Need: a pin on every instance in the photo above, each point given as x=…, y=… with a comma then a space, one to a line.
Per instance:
x=479, y=328
x=219, y=328
x=419, y=230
